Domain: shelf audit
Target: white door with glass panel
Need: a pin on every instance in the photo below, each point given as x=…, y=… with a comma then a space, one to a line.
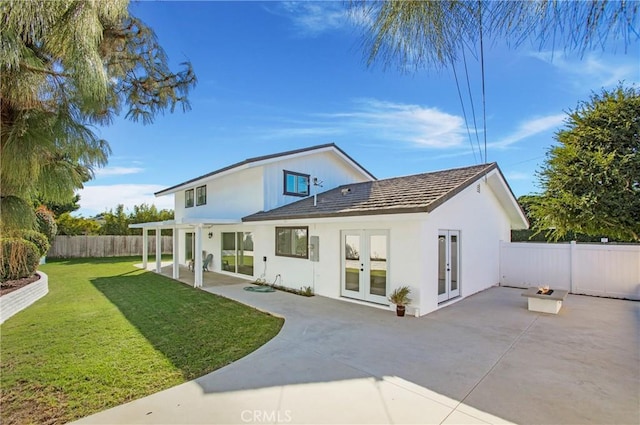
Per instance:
x=365, y=267
x=448, y=264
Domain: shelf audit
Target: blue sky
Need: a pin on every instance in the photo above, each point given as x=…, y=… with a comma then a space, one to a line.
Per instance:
x=275, y=76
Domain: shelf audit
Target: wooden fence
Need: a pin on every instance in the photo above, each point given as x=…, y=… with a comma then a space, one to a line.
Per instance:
x=590, y=269
x=105, y=246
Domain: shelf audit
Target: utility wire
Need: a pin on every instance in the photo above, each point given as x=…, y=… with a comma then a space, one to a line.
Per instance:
x=464, y=113
x=473, y=109
x=484, y=103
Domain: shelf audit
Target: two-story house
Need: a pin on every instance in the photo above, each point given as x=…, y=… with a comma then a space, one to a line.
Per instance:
x=315, y=217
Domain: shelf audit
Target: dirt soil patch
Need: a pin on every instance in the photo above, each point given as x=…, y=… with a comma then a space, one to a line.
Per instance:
x=14, y=285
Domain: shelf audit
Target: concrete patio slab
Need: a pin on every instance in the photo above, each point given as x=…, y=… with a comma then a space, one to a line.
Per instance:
x=485, y=359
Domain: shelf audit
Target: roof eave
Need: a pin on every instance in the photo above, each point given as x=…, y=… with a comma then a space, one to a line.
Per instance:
x=355, y=213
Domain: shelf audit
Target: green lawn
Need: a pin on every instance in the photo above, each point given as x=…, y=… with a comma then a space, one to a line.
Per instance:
x=108, y=333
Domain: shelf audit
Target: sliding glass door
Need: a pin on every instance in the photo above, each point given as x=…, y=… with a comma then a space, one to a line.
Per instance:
x=237, y=252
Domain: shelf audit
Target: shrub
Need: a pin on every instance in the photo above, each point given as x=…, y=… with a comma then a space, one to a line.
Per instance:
x=46, y=222
x=37, y=238
x=18, y=258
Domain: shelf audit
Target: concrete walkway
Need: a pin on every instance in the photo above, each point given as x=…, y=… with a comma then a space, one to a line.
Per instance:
x=486, y=359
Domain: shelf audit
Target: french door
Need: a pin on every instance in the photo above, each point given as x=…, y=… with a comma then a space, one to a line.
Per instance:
x=365, y=267
x=448, y=264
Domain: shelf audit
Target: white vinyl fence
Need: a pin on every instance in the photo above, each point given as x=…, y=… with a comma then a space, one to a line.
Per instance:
x=591, y=269
x=104, y=246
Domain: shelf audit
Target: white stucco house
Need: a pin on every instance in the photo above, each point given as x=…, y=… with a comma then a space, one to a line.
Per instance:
x=316, y=217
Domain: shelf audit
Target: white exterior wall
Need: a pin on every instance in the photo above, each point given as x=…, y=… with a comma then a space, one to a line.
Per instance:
x=404, y=262
x=413, y=244
x=482, y=223
x=413, y=238
x=229, y=196
x=243, y=192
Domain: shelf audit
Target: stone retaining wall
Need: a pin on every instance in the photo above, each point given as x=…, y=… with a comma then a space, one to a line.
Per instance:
x=18, y=300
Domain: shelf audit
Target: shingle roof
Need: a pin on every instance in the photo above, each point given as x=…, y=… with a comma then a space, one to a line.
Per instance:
x=264, y=158
x=416, y=193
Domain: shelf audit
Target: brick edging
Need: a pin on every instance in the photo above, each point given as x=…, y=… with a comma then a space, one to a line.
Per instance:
x=16, y=301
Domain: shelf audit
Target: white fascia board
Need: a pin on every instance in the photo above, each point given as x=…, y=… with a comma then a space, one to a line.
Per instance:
x=201, y=181
x=185, y=223
x=401, y=217
x=501, y=189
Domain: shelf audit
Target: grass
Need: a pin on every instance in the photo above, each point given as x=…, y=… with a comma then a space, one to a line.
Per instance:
x=108, y=333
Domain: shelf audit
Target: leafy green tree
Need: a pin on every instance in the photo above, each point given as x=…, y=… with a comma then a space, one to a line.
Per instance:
x=65, y=66
x=149, y=213
x=73, y=226
x=115, y=222
x=415, y=34
x=591, y=179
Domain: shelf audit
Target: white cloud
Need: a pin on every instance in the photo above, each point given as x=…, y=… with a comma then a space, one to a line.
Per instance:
x=530, y=128
x=417, y=125
x=517, y=175
x=311, y=18
x=592, y=71
x=314, y=130
x=100, y=198
x=117, y=171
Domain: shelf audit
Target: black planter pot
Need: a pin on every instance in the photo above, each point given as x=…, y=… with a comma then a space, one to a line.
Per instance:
x=400, y=309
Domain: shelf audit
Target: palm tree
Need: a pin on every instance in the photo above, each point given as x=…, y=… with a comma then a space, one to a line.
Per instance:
x=66, y=65
x=415, y=34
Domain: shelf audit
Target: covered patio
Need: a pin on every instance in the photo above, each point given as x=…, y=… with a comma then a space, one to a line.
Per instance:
x=209, y=279
x=177, y=271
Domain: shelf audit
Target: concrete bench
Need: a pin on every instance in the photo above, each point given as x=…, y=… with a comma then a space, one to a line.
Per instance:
x=545, y=303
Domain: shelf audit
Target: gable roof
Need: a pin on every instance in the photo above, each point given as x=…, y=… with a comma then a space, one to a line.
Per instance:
x=409, y=194
x=260, y=160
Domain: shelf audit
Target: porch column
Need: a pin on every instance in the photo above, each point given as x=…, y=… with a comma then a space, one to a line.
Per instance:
x=145, y=247
x=158, y=251
x=176, y=253
x=197, y=282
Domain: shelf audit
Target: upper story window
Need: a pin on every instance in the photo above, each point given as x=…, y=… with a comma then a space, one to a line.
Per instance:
x=201, y=195
x=188, y=198
x=296, y=184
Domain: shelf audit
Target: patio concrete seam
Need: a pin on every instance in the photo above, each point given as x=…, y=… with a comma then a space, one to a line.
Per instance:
x=515, y=341
x=384, y=404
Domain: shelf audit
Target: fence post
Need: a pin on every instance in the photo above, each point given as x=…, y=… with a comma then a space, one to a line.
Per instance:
x=573, y=269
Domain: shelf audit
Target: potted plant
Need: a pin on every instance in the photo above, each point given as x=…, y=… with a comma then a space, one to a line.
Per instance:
x=400, y=297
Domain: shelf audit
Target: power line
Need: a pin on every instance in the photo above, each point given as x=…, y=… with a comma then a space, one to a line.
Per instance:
x=484, y=103
x=473, y=109
x=464, y=113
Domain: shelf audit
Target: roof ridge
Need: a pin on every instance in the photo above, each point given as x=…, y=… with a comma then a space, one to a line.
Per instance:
x=485, y=166
x=264, y=158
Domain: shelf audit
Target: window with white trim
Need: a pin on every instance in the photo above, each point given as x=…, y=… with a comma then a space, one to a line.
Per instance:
x=201, y=195
x=188, y=198
x=292, y=242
